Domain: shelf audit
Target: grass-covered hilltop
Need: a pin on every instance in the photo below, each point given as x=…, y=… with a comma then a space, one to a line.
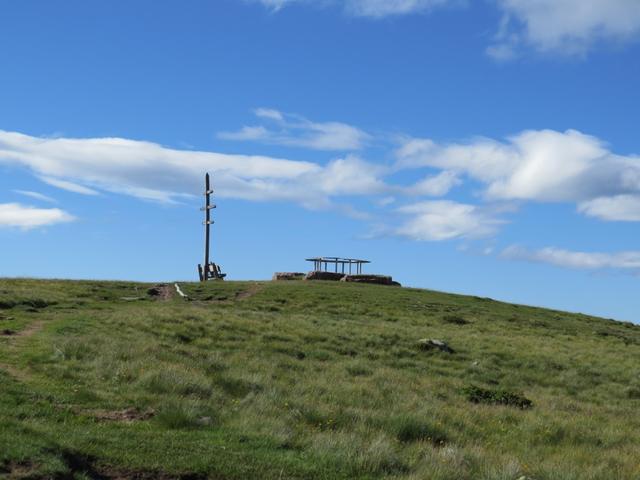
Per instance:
x=309, y=380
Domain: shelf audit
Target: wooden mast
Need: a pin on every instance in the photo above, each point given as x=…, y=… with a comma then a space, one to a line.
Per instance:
x=207, y=219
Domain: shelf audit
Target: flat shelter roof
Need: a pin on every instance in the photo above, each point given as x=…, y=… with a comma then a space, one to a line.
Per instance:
x=318, y=262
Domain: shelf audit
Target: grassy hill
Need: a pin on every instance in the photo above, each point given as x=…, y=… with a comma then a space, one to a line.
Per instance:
x=309, y=380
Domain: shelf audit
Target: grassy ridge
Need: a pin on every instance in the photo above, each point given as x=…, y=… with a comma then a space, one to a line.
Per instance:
x=309, y=380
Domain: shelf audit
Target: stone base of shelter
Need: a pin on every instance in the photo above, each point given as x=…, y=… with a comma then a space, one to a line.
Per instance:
x=288, y=276
x=375, y=279
x=319, y=275
x=332, y=276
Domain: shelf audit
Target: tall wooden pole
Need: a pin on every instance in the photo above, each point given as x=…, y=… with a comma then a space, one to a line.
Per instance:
x=208, y=270
x=207, y=222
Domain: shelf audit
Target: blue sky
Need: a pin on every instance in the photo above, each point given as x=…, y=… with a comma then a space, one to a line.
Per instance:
x=485, y=147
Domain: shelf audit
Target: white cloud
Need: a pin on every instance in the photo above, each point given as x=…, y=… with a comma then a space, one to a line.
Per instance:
x=565, y=26
x=384, y=8
x=629, y=261
x=150, y=171
x=351, y=176
x=502, y=52
x=482, y=158
x=554, y=166
x=623, y=208
x=542, y=165
x=269, y=113
x=365, y=8
x=68, y=186
x=297, y=131
x=384, y=201
x=36, y=195
x=276, y=5
x=447, y=220
x=24, y=217
x=247, y=134
x=435, y=185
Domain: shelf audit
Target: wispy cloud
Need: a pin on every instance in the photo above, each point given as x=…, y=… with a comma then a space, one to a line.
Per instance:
x=435, y=185
x=36, y=195
x=385, y=8
x=626, y=261
x=69, y=186
x=364, y=8
x=269, y=113
x=276, y=5
x=297, y=131
x=16, y=215
x=247, y=134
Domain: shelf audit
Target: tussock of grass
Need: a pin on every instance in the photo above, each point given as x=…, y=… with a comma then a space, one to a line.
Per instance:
x=497, y=397
x=455, y=320
x=76, y=349
x=236, y=387
x=359, y=370
x=33, y=302
x=412, y=429
x=176, y=381
x=184, y=415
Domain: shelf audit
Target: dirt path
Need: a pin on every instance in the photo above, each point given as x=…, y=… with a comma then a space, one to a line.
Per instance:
x=250, y=292
x=27, y=332
x=30, y=330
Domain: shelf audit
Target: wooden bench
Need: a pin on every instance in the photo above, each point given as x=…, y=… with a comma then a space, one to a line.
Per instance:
x=211, y=272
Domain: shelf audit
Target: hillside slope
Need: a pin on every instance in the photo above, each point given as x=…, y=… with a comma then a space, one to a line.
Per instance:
x=309, y=380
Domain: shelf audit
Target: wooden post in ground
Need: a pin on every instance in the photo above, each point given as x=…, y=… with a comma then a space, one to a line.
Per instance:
x=204, y=270
x=207, y=219
x=210, y=270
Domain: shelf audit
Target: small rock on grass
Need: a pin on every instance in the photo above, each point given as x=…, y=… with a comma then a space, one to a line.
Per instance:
x=433, y=344
x=204, y=421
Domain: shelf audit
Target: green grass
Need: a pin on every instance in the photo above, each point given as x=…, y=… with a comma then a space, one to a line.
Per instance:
x=309, y=380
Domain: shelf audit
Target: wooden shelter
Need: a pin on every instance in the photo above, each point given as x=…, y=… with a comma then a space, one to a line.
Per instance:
x=338, y=264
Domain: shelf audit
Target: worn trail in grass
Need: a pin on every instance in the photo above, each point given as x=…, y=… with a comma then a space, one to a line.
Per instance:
x=309, y=380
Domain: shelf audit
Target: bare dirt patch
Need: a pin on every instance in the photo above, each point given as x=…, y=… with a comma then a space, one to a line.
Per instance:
x=162, y=292
x=148, y=475
x=17, y=469
x=127, y=415
x=249, y=292
x=90, y=467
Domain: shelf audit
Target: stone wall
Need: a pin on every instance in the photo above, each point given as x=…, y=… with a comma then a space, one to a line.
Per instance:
x=288, y=276
x=317, y=275
x=375, y=279
x=332, y=276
